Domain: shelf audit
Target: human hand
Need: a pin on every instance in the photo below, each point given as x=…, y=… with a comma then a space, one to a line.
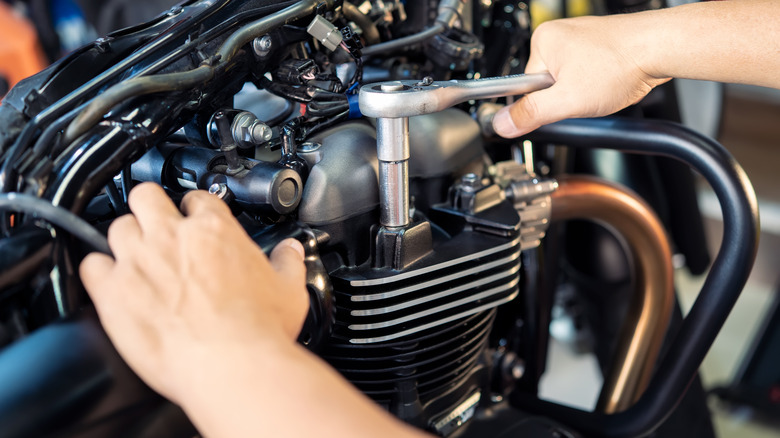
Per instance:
x=190, y=293
x=595, y=62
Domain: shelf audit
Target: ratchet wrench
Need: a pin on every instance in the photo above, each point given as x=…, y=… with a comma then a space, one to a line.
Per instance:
x=393, y=102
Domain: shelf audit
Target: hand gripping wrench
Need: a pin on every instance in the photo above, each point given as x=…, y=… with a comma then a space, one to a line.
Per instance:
x=392, y=103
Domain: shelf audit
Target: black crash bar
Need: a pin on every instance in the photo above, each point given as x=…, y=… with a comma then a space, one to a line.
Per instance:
x=727, y=276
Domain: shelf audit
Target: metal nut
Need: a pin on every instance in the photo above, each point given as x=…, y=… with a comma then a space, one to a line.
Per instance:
x=470, y=182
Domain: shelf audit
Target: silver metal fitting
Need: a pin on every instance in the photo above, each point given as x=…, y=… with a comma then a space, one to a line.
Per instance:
x=325, y=32
x=248, y=131
x=262, y=46
x=470, y=182
x=220, y=190
x=449, y=12
x=531, y=198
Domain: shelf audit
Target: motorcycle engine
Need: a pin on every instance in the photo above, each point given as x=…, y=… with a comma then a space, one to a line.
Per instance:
x=256, y=102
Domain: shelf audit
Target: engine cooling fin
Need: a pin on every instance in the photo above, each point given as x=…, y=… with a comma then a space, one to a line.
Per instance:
x=415, y=340
x=466, y=275
x=439, y=357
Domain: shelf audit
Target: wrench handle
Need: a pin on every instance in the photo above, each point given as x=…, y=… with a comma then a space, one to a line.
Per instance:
x=487, y=88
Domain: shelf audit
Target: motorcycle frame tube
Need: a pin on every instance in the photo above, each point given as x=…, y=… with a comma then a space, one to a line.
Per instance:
x=723, y=285
x=622, y=211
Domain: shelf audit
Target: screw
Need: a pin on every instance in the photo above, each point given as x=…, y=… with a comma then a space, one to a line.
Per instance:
x=262, y=46
x=218, y=189
x=426, y=81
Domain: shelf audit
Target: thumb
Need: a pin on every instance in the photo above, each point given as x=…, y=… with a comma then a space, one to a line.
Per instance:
x=287, y=260
x=530, y=112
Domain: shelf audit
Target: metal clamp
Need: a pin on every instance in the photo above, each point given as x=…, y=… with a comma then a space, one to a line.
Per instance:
x=392, y=103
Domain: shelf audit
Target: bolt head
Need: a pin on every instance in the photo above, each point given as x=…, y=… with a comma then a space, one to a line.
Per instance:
x=219, y=190
x=248, y=131
x=261, y=132
x=262, y=46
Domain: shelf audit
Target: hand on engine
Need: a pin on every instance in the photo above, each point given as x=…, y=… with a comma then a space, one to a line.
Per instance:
x=190, y=287
x=203, y=317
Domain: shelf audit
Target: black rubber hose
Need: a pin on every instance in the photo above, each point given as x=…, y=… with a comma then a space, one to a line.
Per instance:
x=137, y=86
x=400, y=43
x=57, y=216
x=721, y=289
x=370, y=31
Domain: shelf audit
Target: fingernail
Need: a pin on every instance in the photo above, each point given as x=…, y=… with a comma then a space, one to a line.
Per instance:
x=503, y=123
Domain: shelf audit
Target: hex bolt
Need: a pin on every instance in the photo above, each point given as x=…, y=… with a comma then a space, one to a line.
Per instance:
x=248, y=131
x=470, y=182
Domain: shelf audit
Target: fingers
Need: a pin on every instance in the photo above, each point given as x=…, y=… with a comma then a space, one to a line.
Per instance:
x=531, y=111
x=287, y=260
x=535, y=63
x=153, y=209
x=94, y=269
x=123, y=234
x=198, y=202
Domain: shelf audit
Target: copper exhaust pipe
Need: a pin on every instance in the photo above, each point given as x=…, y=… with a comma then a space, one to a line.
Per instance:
x=650, y=311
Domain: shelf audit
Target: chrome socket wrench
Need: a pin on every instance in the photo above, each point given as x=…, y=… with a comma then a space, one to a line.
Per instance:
x=393, y=102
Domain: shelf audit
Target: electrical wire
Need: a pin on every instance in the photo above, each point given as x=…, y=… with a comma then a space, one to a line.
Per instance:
x=58, y=216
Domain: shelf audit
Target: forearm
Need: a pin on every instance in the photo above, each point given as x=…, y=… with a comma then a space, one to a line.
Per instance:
x=726, y=41
x=283, y=390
